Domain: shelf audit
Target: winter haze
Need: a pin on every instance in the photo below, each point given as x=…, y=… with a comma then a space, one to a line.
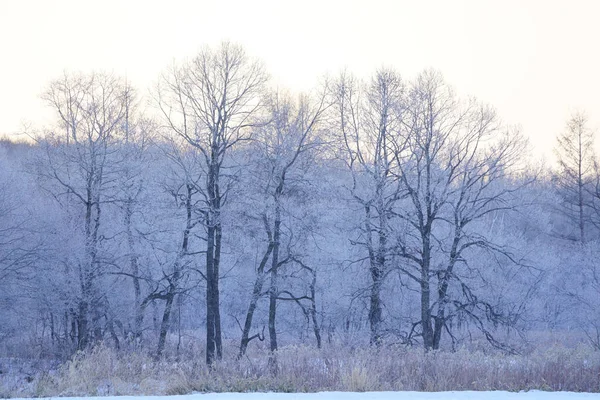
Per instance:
x=299, y=197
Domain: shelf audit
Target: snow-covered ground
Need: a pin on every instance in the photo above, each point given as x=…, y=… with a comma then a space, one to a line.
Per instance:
x=497, y=395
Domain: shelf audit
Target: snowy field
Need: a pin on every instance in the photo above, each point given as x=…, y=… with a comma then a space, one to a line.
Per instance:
x=466, y=395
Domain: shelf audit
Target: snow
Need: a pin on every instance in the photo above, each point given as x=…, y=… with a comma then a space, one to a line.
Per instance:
x=458, y=395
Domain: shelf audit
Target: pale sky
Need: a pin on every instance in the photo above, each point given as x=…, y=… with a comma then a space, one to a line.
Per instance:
x=535, y=61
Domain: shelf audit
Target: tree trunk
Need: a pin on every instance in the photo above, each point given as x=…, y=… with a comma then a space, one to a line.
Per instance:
x=313, y=310
x=88, y=309
x=214, y=348
x=216, y=305
x=375, y=311
x=427, y=328
x=376, y=265
x=210, y=316
x=426, y=316
x=134, y=265
x=256, y=294
x=273, y=290
x=580, y=205
x=440, y=319
x=164, y=326
x=82, y=325
x=177, y=274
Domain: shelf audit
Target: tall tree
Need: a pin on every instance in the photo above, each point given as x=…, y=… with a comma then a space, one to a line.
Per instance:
x=575, y=154
x=212, y=101
x=369, y=119
x=281, y=152
x=456, y=172
x=80, y=166
x=136, y=149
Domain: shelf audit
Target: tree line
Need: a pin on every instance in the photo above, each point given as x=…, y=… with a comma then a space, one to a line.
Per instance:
x=380, y=210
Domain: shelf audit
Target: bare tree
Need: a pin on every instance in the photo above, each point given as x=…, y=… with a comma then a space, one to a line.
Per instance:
x=185, y=188
x=575, y=154
x=81, y=166
x=457, y=169
x=211, y=102
x=282, y=147
x=369, y=119
x=136, y=150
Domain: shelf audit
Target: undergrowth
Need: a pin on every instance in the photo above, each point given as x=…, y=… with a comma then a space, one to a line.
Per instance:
x=104, y=371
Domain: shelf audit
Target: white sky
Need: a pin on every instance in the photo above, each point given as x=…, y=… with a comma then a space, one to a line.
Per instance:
x=536, y=61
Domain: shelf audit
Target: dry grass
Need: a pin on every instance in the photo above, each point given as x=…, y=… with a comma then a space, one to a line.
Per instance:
x=303, y=369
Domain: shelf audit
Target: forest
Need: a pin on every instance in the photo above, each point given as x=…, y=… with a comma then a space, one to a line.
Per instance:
x=216, y=218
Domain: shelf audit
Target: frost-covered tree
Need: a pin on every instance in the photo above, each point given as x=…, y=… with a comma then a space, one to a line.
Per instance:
x=282, y=150
x=212, y=101
x=79, y=168
x=575, y=154
x=369, y=119
x=458, y=169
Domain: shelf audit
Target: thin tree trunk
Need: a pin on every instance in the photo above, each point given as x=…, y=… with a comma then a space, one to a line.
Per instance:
x=427, y=328
x=273, y=290
x=580, y=184
x=376, y=263
x=134, y=265
x=216, y=305
x=256, y=294
x=164, y=327
x=177, y=273
x=52, y=333
x=210, y=317
x=313, y=310
x=82, y=325
x=83, y=314
x=440, y=319
x=580, y=206
x=179, y=305
x=113, y=334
